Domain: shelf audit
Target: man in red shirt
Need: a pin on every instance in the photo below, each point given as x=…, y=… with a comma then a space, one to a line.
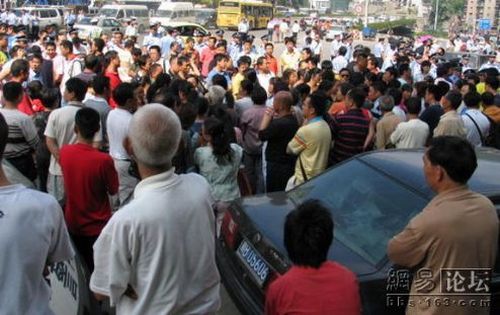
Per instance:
x=89, y=177
x=112, y=61
x=207, y=55
x=313, y=285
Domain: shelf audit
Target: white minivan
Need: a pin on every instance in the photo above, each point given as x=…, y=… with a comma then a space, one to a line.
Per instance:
x=47, y=15
x=174, y=11
x=127, y=11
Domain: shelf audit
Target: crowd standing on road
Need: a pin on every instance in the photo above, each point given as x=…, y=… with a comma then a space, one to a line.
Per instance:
x=84, y=119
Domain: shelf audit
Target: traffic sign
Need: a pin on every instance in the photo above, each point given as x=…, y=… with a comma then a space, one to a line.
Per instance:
x=485, y=24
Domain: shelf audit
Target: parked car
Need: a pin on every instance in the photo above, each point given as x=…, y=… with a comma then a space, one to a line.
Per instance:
x=333, y=31
x=93, y=27
x=186, y=29
x=123, y=12
x=47, y=15
x=369, y=33
x=372, y=197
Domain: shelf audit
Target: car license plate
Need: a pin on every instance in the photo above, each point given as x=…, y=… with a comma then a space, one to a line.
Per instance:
x=254, y=263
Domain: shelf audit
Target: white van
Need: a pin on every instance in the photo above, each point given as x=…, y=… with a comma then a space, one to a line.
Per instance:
x=174, y=11
x=47, y=15
x=126, y=11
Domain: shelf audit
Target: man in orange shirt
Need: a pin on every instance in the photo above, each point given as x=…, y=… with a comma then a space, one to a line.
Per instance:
x=271, y=60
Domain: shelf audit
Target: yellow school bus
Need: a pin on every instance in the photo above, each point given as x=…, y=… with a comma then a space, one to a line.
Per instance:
x=231, y=12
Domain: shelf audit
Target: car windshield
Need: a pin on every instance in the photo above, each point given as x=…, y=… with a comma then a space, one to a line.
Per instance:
x=85, y=21
x=368, y=207
x=203, y=14
x=164, y=13
x=108, y=12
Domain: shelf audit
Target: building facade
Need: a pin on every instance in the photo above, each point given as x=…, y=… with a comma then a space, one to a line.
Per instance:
x=482, y=9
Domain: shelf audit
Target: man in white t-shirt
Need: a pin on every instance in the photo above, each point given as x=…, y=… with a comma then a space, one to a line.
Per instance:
x=117, y=124
x=32, y=236
x=476, y=123
x=157, y=254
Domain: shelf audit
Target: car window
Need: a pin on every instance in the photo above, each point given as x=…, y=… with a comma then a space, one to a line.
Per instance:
x=52, y=13
x=44, y=14
x=120, y=14
x=106, y=22
x=113, y=23
x=188, y=30
x=368, y=207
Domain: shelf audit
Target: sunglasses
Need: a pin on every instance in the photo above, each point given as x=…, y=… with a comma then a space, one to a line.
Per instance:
x=344, y=75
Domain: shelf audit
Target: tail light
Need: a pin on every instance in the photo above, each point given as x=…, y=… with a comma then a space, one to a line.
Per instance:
x=229, y=229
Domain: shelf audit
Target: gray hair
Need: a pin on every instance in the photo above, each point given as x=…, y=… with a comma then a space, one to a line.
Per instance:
x=155, y=134
x=386, y=103
x=215, y=95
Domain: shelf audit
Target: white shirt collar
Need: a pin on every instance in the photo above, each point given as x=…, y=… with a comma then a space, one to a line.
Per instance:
x=162, y=180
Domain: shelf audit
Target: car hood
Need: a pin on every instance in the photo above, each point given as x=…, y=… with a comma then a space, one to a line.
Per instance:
x=268, y=214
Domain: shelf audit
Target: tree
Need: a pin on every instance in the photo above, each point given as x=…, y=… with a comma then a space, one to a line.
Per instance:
x=447, y=9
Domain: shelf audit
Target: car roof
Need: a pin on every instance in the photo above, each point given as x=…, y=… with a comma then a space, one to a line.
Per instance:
x=406, y=166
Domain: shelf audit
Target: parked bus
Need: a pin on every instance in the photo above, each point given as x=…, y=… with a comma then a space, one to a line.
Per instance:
x=231, y=12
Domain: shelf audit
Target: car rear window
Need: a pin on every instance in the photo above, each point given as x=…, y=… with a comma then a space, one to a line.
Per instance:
x=368, y=207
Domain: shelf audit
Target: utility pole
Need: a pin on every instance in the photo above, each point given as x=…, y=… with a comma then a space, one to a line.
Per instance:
x=366, y=13
x=436, y=12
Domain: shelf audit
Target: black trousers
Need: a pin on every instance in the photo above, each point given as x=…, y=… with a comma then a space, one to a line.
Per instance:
x=84, y=245
x=277, y=175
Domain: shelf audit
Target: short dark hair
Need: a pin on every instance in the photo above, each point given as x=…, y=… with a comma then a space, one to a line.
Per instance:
x=455, y=155
x=308, y=234
x=414, y=105
x=19, y=66
x=455, y=98
x=247, y=86
x=435, y=91
x=99, y=44
x=379, y=86
x=99, y=84
x=12, y=90
x=396, y=94
x=91, y=62
x=345, y=88
x=66, y=44
x=4, y=134
x=123, y=93
x=259, y=95
x=220, y=57
x=472, y=99
x=87, y=121
x=358, y=96
x=50, y=97
x=318, y=102
x=78, y=87
x=492, y=81
x=488, y=99
x=342, y=51
x=155, y=47
x=443, y=87
x=244, y=60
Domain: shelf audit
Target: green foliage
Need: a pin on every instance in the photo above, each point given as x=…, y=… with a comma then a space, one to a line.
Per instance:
x=447, y=9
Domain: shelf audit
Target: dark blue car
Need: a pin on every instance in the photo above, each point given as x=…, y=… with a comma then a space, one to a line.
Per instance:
x=372, y=197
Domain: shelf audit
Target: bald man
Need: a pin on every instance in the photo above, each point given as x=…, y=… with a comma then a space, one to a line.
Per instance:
x=278, y=127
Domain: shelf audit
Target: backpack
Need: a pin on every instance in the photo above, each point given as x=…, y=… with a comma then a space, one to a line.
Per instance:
x=79, y=64
x=493, y=138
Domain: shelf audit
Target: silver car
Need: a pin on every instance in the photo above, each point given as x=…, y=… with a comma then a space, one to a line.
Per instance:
x=93, y=27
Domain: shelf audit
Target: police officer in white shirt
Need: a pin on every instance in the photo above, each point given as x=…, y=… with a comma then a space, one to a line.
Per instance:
x=476, y=123
x=131, y=29
x=138, y=259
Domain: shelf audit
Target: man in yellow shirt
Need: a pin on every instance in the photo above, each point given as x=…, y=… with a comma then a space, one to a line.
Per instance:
x=312, y=141
x=243, y=65
x=290, y=57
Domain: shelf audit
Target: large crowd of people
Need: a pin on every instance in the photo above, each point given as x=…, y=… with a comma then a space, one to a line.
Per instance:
x=90, y=118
